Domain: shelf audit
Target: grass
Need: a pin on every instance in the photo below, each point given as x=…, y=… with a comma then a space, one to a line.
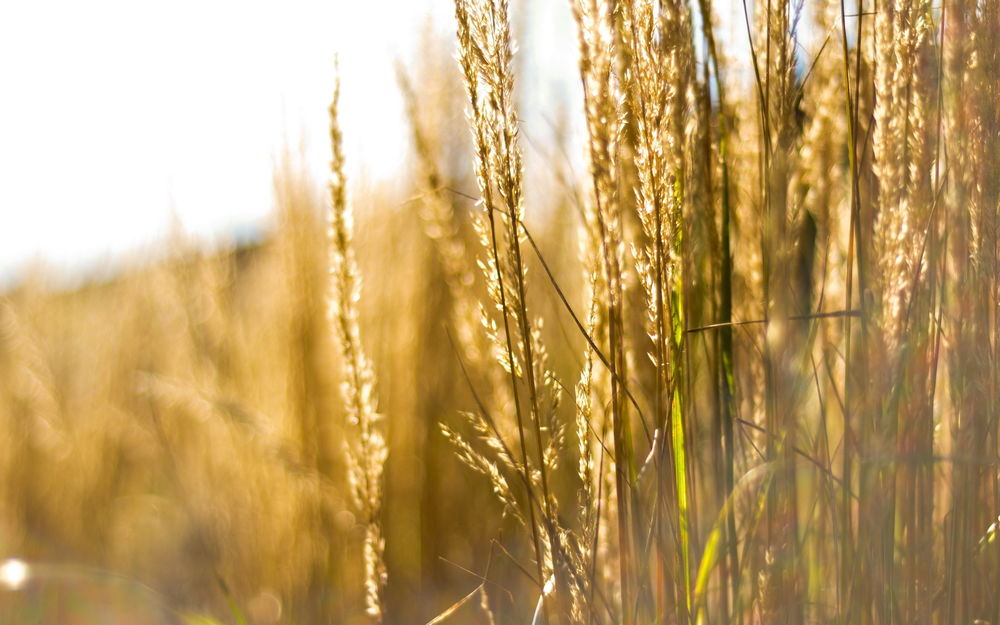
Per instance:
x=743, y=369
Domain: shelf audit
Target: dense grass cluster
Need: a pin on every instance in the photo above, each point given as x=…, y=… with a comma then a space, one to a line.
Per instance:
x=742, y=370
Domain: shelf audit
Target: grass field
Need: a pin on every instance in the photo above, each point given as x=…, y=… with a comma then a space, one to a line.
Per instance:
x=741, y=366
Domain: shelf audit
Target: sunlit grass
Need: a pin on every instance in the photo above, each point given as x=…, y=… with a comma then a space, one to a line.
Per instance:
x=742, y=368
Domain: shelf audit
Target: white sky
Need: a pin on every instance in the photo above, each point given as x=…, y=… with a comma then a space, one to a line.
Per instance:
x=116, y=114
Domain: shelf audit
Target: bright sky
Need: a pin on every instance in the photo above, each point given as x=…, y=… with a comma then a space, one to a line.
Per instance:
x=118, y=114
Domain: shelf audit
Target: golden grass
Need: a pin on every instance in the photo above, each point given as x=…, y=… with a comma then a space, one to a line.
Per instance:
x=754, y=379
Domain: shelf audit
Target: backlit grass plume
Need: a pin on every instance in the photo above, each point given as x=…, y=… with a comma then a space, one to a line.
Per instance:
x=367, y=453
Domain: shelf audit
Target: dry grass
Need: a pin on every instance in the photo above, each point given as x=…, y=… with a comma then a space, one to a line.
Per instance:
x=753, y=379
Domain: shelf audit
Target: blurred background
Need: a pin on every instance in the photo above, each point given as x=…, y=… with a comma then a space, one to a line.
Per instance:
x=170, y=429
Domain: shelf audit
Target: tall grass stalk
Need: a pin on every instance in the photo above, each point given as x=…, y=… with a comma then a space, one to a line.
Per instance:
x=367, y=453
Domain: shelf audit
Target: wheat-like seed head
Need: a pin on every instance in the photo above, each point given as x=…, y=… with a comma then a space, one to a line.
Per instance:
x=899, y=146
x=366, y=456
